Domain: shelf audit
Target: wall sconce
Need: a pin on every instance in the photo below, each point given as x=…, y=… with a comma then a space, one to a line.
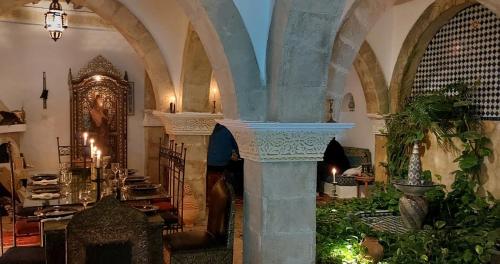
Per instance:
x=45, y=93
x=330, y=111
x=172, y=104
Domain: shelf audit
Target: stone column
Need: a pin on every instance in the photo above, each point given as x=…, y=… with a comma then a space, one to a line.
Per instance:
x=280, y=187
x=379, y=131
x=194, y=130
x=153, y=131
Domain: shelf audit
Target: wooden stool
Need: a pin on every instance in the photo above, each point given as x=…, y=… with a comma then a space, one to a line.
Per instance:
x=364, y=179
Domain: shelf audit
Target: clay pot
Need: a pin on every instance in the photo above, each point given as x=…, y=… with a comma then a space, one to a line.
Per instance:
x=375, y=251
x=191, y=207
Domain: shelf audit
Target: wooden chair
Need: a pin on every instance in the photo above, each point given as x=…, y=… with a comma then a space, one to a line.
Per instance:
x=113, y=232
x=171, y=166
x=63, y=152
x=215, y=245
x=15, y=254
x=73, y=155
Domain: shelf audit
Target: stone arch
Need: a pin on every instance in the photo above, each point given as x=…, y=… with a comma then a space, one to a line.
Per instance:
x=357, y=23
x=134, y=32
x=196, y=75
x=372, y=80
x=230, y=51
x=415, y=44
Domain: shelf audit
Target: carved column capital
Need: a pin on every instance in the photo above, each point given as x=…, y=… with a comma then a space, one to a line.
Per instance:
x=378, y=124
x=282, y=142
x=188, y=123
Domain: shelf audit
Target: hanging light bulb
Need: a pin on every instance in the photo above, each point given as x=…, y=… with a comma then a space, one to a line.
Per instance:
x=55, y=20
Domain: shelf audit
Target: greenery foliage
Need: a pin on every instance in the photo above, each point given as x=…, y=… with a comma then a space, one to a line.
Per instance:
x=462, y=227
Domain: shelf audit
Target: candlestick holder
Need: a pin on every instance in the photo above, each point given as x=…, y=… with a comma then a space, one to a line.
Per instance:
x=330, y=111
x=213, y=107
x=334, y=194
x=98, y=184
x=172, y=108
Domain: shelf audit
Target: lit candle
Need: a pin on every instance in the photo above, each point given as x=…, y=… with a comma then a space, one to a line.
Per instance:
x=334, y=171
x=214, y=91
x=98, y=159
x=91, y=148
x=85, y=136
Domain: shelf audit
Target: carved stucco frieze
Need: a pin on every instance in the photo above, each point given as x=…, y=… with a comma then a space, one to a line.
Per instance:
x=281, y=142
x=378, y=124
x=188, y=123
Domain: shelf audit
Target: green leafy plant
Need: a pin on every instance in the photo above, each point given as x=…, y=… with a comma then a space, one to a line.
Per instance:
x=462, y=226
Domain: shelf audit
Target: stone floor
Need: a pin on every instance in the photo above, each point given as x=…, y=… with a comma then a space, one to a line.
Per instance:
x=238, y=233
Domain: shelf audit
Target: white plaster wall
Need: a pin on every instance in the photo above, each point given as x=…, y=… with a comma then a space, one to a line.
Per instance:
x=388, y=34
x=256, y=15
x=168, y=25
x=27, y=50
x=361, y=135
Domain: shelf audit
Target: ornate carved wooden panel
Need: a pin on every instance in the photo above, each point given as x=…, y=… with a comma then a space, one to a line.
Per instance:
x=99, y=107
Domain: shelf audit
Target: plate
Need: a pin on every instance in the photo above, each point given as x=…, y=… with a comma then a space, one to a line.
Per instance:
x=45, y=189
x=45, y=196
x=56, y=211
x=44, y=176
x=144, y=188
x=135, y=179
x=132, y=171
x=147, y=208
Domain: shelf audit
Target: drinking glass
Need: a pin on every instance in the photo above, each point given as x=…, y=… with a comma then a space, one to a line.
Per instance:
x=123, y=175
x=66, y=178
x=64, y=167
x=85, y=196
x=115, y=168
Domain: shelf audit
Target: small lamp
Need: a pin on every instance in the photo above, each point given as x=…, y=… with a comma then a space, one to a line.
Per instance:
x=56, y=20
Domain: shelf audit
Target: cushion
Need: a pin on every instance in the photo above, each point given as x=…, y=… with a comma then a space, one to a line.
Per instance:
x=23, y=255
x=193, y=240
x=163, y=205
x=169, y=218
x=353, y=171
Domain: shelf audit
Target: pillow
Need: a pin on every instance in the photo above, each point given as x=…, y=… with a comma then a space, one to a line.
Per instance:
x=353, y=171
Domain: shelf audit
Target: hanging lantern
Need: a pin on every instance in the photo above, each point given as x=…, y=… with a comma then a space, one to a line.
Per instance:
x=55, y=20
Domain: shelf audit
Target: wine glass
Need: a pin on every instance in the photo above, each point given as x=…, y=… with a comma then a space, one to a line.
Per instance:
x=123, y=175
x=63, y=167
x=115, y=168
x=66, y=178
x=84, y=197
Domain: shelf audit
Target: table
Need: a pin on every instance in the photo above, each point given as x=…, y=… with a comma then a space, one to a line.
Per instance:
x=52, y=230
x=78, y=182
x=364, y=179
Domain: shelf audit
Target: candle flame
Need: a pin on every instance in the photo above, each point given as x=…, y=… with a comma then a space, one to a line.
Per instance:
x=171, y=99
x=334, y=171
x=91, y=141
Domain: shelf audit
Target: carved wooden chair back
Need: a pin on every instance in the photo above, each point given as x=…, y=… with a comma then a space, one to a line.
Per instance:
x=111, y=226
x=171, y=165
x=63, y=152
